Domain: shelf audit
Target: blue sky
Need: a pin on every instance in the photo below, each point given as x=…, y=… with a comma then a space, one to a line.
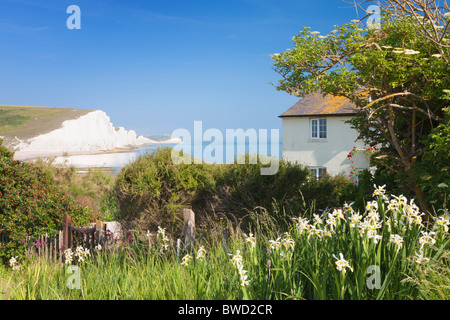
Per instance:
x=155, y=66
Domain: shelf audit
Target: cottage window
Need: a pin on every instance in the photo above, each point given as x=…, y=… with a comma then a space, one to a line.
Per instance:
x=318, y=128
x=318, y=172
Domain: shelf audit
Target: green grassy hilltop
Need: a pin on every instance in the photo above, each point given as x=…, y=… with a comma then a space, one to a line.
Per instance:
x=25, y=122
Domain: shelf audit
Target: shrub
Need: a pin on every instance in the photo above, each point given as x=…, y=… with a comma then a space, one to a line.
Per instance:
x=91, y=188
x=152, y=191
x=31, y=205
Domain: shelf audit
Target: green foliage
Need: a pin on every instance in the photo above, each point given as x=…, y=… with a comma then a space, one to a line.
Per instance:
x=4, y=151
x=397, y=79
x=152, y=191
x=12, y=120
x=434, y=169
x=31, y=205
x=387, y=254
x=92, y=188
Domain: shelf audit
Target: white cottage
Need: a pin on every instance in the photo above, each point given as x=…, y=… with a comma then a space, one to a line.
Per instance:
x=315, y=134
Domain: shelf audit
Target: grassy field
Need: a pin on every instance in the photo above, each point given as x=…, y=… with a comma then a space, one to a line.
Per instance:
x=384, y=253
x=25, y=122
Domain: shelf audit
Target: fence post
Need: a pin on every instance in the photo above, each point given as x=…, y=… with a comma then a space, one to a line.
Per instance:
x=178, y=248
x=189, y=228
x=67, y=232
x=100, y=233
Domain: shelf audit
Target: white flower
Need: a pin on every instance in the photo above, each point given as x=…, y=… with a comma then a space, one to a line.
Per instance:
x=14, y=264
x=426, y=238
x=302, y=225
x=186, y=259
x=251, y=239
x=98, y=247
x=436, y=55
x=12, y=261
x=338, y=214
x=342, y=264
x=317, y=219
x=396, y=239
x=380, y=191
x=354, y=21
x=244, y=280
x=201, y=252
x=443, y=222
x=275, y=244
x=421, y=258
x=314, y=32
x=408, y=51
x=331, y=221
x=237, y=259
x=68, y=256
x=287, y=242
x=355, y=219
x=372, y=206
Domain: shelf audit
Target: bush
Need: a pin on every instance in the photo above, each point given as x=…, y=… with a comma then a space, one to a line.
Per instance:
x=91, y=188
x=152, y=191
x=31, y=205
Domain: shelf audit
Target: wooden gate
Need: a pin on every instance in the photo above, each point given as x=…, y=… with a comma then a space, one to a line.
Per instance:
x=86, y=237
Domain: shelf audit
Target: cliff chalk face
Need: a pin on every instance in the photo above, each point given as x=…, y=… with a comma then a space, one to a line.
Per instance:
x=92, y=132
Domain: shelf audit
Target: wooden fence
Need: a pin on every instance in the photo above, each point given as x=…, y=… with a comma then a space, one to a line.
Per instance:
x=52, y=246
x=86, y=237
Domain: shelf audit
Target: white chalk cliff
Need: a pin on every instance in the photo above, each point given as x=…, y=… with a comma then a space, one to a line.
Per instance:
x=88, y=133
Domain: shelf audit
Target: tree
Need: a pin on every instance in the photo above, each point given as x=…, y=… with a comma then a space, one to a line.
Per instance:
x=397, y=77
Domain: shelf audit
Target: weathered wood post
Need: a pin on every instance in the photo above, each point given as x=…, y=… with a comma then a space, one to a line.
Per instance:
x=178, y=248
x=100, y=233
x=67, y=232
x=189, y=228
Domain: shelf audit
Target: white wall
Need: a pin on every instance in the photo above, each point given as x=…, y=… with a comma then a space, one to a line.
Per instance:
x=330, y=153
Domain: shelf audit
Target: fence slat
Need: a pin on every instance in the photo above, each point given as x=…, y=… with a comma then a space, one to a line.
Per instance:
x=67, y=232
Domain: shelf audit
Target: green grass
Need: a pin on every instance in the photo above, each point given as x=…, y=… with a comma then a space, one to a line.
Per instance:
x=25, y=122
x=299, y=264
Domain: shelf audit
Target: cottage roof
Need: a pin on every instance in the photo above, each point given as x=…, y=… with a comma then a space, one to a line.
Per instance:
x=316, y=104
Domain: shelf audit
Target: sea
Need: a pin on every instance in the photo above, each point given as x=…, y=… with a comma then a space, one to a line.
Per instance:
x=208, y=153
